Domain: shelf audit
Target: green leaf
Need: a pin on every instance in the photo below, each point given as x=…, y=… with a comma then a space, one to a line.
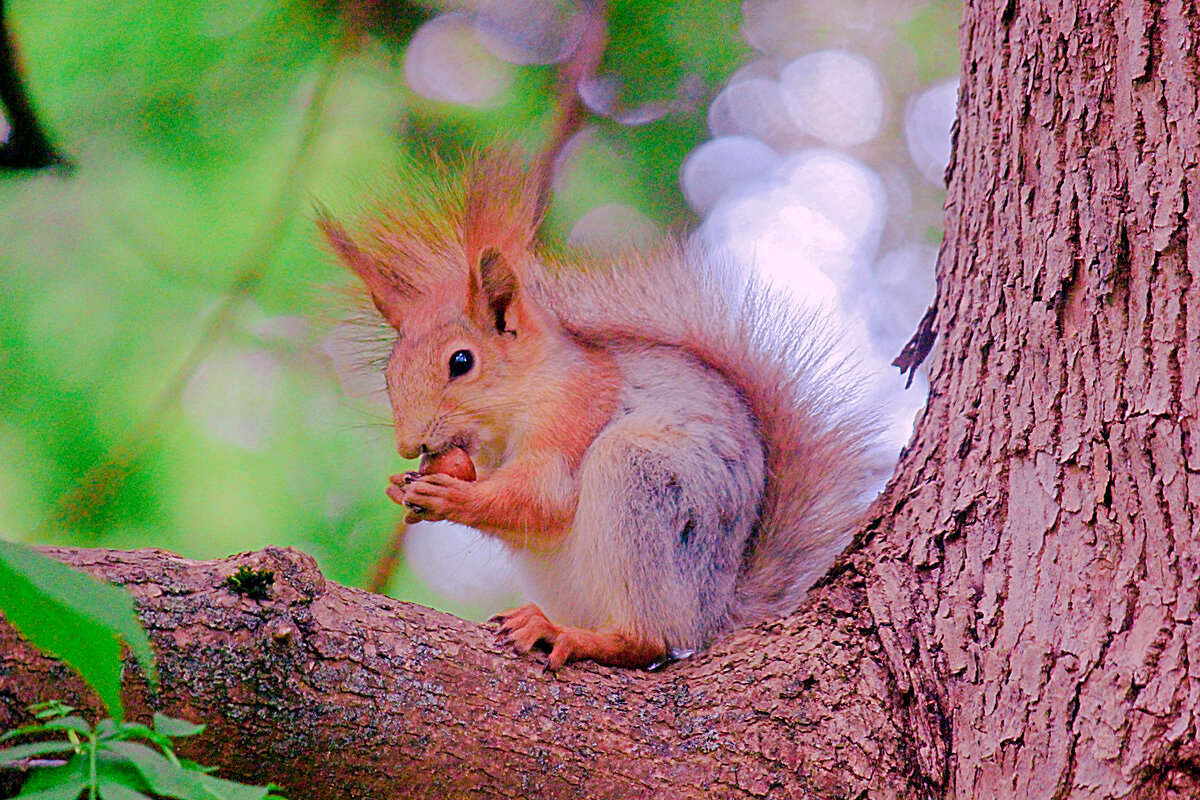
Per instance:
x=117, y=779
x=165, y=778
x=72, y=723
x=229, y=790
x=20, y=751
x=57, y=783
x=110, y=790
x=113, y=769
x=170, y=726
x=188, y=764
x=73, y=617
x=161, y=776
x=128, y=731
x=50, y=709
x=77, y=724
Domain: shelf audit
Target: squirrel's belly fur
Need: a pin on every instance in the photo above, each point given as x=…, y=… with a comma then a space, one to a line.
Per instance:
x=685, y=444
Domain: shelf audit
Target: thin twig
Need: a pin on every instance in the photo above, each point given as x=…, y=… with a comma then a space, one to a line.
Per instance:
x=103, y=479
x=569, y=111
x=919, y=345
x=381, y=576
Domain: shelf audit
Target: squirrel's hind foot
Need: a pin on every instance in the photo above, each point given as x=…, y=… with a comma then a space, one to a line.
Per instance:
x=527, y=626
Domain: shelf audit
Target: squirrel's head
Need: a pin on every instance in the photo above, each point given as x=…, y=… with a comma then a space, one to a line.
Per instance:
x=451, y=271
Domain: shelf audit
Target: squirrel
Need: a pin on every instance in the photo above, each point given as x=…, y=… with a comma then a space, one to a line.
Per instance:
x=668, y=449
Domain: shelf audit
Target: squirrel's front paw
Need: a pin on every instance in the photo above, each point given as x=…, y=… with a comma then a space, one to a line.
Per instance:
x=395, y=489
x=431, y=497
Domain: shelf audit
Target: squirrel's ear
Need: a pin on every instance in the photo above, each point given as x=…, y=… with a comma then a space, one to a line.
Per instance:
x=388, y=291
x=495, y=292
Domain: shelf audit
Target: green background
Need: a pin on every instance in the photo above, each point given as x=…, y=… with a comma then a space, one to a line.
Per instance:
x=176, y=261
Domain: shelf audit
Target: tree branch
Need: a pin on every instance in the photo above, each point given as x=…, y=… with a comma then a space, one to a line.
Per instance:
x=569, y=111
x=337, y=693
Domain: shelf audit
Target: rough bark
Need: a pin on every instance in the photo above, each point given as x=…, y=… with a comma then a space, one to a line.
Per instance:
x=1046, y=542
x=339, y=693
x=1015, y=620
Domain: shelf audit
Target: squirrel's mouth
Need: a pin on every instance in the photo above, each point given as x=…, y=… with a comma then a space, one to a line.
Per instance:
x=435, y=447
x=464, y=443
x=460, y=442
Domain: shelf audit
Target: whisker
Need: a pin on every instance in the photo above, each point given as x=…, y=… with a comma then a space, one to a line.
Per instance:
x=363, y=426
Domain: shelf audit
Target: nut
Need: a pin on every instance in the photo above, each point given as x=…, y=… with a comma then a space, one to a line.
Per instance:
x=453, y=462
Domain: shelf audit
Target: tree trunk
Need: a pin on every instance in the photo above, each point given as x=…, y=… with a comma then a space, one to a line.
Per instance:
x=1043, y=532
x=1015, y=618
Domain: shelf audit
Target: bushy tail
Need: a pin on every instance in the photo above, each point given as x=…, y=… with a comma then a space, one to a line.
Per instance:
x=821, y=441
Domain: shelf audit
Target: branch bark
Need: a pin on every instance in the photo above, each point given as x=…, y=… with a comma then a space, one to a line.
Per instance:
x=338, y=693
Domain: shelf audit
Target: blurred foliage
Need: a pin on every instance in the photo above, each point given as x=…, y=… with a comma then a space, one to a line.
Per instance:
x=164, y=302
x=926, y=33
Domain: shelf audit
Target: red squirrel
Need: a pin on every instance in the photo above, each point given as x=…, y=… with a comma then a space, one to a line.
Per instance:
x=663, y=445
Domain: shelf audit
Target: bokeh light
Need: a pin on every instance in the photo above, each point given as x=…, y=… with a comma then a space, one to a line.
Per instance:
x=528, y=31
x=446, y=61
x=927, y=122
x=808, y=231
x=835, y=95
x=810, y=182
x=753, y=106
x=233, y=396
x=844, y=190
x=613, y=227
x=722, y=164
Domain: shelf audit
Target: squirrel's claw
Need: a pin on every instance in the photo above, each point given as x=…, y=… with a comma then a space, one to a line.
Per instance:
x=524, y=627
x=431, y=497
x=527, y=627
x=562, y=652
x=396, y=492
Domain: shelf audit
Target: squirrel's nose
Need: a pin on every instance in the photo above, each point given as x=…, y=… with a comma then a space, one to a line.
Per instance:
x=411, y=450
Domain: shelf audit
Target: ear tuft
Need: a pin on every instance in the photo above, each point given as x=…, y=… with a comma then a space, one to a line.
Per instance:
x=500, y=203
x=499, y=287
x=388, y=290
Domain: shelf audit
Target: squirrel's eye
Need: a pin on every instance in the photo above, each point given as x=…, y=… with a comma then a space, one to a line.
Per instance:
x=461, y=363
